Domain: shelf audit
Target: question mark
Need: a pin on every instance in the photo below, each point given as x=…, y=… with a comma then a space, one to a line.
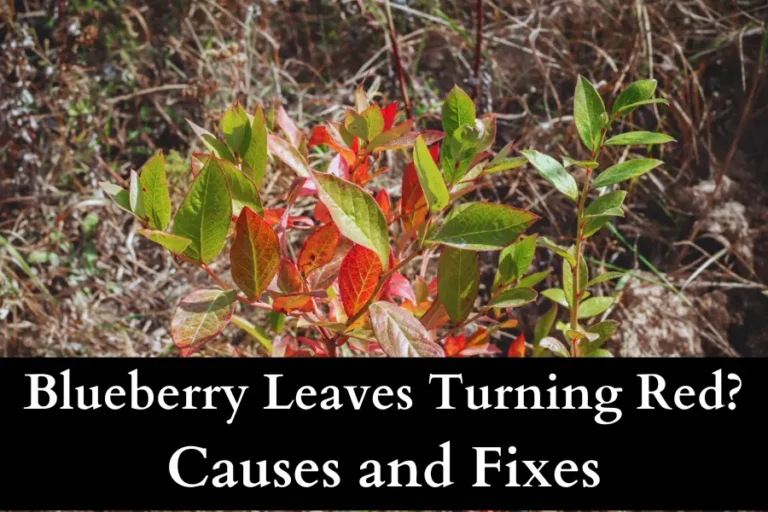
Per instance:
x=733, y=376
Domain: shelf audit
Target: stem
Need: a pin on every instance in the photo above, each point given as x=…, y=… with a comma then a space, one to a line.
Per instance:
x=398, y=60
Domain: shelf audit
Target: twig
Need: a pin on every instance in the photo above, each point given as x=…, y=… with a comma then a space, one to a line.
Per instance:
x=398, y=60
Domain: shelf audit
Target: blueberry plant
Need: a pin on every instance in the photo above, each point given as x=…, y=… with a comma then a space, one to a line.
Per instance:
x=339, y=277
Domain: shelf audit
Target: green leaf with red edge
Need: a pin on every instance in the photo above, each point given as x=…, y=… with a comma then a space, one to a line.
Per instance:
x=174, y=243
x=431, y=180
x=204, y=214
x=154, y=193
x=255, y=254
x=254, y=153
x=517, y=347
x=289, y=155
x=355, y=213
x=458, y=280
x=400, y=334
x=200, y=317
x=288, y=278
x=407, y=140
x=358, y=277
x=483, y=226
x=319, y=248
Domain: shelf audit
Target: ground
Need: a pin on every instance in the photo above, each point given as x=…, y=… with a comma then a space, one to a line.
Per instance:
x=88, y=90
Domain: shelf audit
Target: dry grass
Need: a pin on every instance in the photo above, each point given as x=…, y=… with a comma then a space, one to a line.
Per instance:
x=87, y=94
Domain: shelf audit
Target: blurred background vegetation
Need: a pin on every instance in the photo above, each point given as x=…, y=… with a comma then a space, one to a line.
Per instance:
x=89, y=89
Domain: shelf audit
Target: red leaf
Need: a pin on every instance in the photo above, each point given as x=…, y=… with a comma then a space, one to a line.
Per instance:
x=454, y=345
x=360, y=175
x=288, y=278
x=517, y=348
x=413, y=205
x=293, y=303
x=272, y=216
x=389, y=113
x=398, y=286
x=339, y=167
x=319, y=248
x=358, y=277
x=329, y=136
x=321, y=213
x=384, y=202
x=254, y=254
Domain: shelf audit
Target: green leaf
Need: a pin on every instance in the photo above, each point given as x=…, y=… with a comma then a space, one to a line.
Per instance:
x=556, y=295
x=568, y=279
x=551, y=170
x=533, y=279
x=236, y=127
x=458, y=279
x=600, y=352
x=588, y=111
x=213, y=144
x=633, y=106
x=154, y=193
x=595, y=224
x=200, y=317
x=625, y=171
x=638, y=138
x=607, y=204
x=584, y=164
x=289, y=155
x=244, y=190
x=515, y=259
x=400, y=334
x=355, y=213
x=393, y=133
x=174, y=243
x=483, y=226
x=135, y=196
x=204, y=214
x=356, y=124
x=430, y=179
x=604, y=330
x=594, y=306
x=374, y=121
x=505, y=164
x=545, y=242
x=513, y=298
x=254, y=154
x=458, y=110
x=544, y=324
x=608, y=276
x=639, y=91
x=555, y=346
x=458, y=151
x=118, y=194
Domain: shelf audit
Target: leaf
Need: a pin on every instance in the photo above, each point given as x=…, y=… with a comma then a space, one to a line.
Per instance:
x=174, y=243
x=505, y=164
x=629, y=108
x=389, y=113
x=213, y=144
x=639, y=138
x=594, y=306
x=517, y=347
x=200, y=317
x=356, y=124
x=584, y=164
x=429, y=176
x=513, y=298
x=638, y=91
x=289, y=155
x=135, y=196
x=458, y=110
x=243, y=189
x=515, y=259
x=154, y=193
x=355, y=213
x=400, y=334
x=413, y=205
x=625, y=171
x=374, y=121
x=407, y=140
x=551, y=170
x=458, y=280
x=556, y=295
x=254, y=255
x=555, y=346
x=390, y=135
x=600, y=352
x=533, y=279
x=323, y=277
x=607, y=204
x=286, y=304
x=319, y=248
x=204, y=214
x=594, y=224
x=545, y=242
x=254, y=153
x=544, y=324
x=568, y=279
x=588, y=111
x=483, y=226
x=118, y=194
x=236, y=127
x=329, y=136
x=358, y=277
x=608, y=276
x=604, y=330
x=288, y=278
x=289, y=128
